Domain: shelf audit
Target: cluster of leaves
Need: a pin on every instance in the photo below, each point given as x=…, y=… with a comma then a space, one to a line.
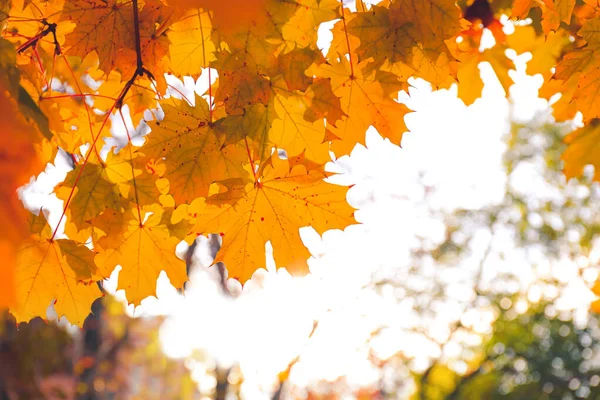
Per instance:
x=246, y=159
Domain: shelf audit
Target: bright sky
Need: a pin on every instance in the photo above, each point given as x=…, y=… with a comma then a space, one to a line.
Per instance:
x=451, y=159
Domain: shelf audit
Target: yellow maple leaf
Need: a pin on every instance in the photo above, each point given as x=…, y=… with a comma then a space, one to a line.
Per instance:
x=595, y=305
x=143, y=247
x=470, y=83
x=89, y=188
x=29, y=18
x=438, y=69
x=285, y=196
x=141, y=187
x=228, y=15
x=556, y=11
x=243, y=81
x=292, y=130
x=191, y=47
x=195, y=156
x=574, y=62
x=155, y=19
x=342, y=42
x=254, y=124
x=59, y=271
x=384, y=36
x=293, y=66
x=544, y=51
x=301, y=29
x=553, y=11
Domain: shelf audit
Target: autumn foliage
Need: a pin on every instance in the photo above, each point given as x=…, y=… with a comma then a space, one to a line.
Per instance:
x=246, y=159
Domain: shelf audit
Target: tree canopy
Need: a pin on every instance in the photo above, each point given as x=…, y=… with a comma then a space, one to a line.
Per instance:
x=245, y=159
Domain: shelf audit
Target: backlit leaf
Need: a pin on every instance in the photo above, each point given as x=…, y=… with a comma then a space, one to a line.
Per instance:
x=273, y=208
x=143, y=248
x=195, y=156
x=52, y=271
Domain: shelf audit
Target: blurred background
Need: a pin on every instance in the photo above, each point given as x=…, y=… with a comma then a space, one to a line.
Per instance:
x=470, y=277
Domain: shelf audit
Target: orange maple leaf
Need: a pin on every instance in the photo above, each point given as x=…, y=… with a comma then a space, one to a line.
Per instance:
x=18, y=162
x=228, y=15
x=285, y=196
x=365, y=100
x=104, y=27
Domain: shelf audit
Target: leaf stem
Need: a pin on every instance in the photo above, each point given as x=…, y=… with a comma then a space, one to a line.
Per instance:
x=135, y=191
x=140, y=70
x=347, y=40
x=87, y=108
x=210, y=98
x=78, y=177
x=50, y=28
x=136, y=27
x=251, y=160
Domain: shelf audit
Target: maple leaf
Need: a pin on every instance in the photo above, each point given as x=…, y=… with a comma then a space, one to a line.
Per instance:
x=195, y=156
x=191, y=47
x=89, y=189
x=545, y=52
x=273, y=207
x=565, y=108
x=365, y=101
x=384, y=36
x=521, y=8
x=59, y=271
x=579, y=67
x=228, y=15
x=155, y=19
x=18, y=162
x=140, y=96
x=243, y=81
x=255, y=124
x=470, y=83
x=587, y=90
x=141, y=187
x=300, y=30
x=430, y=22
x=299, y=126
x=583, y=149
x=553, y=11
x=293, y=66
x=575, y=62
x=342, y=42
x=143, y=245
x=20, y=158
x=105, y=27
